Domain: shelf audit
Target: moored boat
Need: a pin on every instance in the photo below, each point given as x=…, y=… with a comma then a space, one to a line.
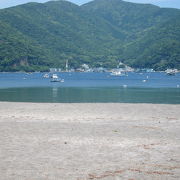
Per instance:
x=118, y=72
x=171, y=72
x=55, y=78
x=46, y=76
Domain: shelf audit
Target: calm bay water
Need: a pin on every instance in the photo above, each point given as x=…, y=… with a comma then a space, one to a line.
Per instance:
x=91, y=87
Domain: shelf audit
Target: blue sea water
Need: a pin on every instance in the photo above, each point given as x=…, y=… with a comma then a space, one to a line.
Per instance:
x=91, y=87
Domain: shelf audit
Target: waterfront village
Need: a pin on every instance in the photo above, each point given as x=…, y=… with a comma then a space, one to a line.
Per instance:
x=121, y=68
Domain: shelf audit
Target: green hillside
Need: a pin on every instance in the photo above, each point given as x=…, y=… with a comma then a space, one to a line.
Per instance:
x=158, y=48
x=152, y=33
x=37, y=36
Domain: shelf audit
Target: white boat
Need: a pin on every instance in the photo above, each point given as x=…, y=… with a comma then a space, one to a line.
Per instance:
x=46, y=76
x=171, y=72
x=118, y=73
x=55, y=78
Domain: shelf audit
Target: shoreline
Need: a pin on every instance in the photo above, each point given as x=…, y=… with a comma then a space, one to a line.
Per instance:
x=84, y=141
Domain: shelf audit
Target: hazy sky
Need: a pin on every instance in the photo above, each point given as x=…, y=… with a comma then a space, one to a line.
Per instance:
x=161, y=3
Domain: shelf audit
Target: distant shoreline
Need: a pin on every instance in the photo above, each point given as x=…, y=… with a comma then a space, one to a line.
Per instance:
x=89, y=103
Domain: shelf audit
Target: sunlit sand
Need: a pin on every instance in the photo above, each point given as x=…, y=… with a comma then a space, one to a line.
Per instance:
x=89, y=141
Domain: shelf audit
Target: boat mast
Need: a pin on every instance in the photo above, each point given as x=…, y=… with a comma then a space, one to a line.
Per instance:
x=66, y=65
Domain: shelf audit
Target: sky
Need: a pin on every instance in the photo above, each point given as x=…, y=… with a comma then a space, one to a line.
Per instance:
x=161, y=3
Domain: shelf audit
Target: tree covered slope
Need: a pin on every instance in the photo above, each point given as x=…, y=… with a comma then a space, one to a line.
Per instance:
x=37, y=36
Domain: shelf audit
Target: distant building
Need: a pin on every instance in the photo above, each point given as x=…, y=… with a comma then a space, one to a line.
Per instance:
x=55, y=69
x=85, y=67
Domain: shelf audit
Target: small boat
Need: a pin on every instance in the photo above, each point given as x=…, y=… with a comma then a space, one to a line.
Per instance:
x=46, y=76
x=118, y=73
x=55, y=78
x=171, y=72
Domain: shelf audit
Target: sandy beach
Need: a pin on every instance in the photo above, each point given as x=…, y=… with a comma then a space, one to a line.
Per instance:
x=89, y=141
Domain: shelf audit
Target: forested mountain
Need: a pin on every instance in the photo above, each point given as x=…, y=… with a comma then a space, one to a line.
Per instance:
x=37, y=36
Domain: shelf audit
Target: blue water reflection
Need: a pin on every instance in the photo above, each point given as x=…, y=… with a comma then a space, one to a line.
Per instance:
x=148, y=80
x=91, y=87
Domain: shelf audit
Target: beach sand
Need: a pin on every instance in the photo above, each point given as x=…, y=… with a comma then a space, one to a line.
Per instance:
x=89, y=141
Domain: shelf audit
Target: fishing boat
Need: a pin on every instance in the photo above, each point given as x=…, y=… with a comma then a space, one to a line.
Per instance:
x=55, y=78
